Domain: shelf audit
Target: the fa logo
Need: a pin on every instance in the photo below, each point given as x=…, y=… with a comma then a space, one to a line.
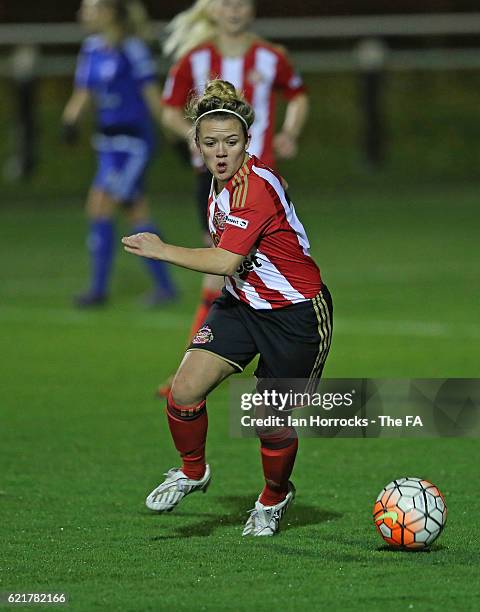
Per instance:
x=414, y=421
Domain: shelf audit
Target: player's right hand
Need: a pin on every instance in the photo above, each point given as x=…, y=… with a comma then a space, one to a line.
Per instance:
x=144, y=244
x=285, y=145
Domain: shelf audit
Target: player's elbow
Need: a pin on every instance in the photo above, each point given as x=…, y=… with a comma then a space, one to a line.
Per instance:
x=230, y=269
x=229, y=262
x=301, y=103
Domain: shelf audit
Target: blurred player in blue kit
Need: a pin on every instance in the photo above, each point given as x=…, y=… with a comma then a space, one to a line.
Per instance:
x=116, y=72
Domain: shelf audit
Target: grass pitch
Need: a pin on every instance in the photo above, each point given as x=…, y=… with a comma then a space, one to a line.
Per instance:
x=83, y=440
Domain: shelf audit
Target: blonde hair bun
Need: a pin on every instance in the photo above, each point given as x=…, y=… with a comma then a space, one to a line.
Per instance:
x=220, y=95
x=220, y=89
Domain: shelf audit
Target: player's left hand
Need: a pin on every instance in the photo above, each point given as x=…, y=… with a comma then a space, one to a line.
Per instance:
x=285, y=145
x=144, y=245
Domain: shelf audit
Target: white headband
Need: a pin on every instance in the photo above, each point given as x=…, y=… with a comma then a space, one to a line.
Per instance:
x=223, y=110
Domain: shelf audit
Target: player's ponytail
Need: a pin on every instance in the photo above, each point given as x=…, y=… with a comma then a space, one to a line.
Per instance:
x=220, y=96
x=190, y=28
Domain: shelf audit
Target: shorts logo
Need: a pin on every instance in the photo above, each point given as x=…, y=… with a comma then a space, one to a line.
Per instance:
x=203, y=336
x=237, y=222
x=219, y=219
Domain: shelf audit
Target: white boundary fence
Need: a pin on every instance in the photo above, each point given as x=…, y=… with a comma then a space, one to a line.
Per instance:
x=28, y=51
x=280, y=28
x=301, y=28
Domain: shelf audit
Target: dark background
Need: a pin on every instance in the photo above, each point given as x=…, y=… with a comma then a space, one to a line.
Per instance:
x=55, y=11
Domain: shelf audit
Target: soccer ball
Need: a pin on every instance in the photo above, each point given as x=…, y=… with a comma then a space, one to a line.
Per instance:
x=410, y=513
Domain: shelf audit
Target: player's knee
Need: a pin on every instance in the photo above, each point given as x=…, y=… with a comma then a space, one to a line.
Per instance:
x=262, y=432
x=185, y=393
x=136, y=217
x=100, y=206
x=265, y=426
x=266, y=431
x=265, y=421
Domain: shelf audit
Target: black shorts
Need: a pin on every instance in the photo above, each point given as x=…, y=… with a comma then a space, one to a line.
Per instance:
x=293, y=342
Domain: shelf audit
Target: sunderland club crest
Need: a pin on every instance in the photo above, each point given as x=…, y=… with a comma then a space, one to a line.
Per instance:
x=203, y=336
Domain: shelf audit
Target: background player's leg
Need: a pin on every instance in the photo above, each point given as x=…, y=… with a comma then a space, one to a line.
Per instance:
x=211, y=285
x=211, y=289
x=140, y=220
x=100, y=244
x=198, y=374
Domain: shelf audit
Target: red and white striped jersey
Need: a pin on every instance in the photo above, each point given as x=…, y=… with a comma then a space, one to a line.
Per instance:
x=253, y=216
x=263, y=70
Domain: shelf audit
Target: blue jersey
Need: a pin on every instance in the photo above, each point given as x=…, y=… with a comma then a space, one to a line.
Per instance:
x=116, y=76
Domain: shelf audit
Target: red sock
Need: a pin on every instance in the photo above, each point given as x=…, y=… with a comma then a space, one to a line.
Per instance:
x=207, y=299
x=278, y=456
x=188, y=426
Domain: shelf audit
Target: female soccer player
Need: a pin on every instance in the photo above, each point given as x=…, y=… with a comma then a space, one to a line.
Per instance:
x=274, y=304
x=115, y=71
x=213, y=40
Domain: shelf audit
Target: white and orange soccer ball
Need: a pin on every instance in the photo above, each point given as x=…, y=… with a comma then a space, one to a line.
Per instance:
x=410, y=513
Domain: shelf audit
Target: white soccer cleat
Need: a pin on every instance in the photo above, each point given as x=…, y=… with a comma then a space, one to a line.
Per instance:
x=265, y=520
x=174, y=488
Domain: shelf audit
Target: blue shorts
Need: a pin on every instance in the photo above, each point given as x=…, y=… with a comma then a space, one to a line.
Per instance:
x=122, y=164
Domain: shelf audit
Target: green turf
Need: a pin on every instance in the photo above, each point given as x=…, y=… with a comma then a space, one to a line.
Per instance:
x=83, y=440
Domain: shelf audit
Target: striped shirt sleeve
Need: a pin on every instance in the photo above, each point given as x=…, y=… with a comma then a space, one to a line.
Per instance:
x=288, y=80
x=179, y=84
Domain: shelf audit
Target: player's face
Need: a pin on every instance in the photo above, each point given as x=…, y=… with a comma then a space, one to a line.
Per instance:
x=94, y=15
x=234, y=16
x=223, y=146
